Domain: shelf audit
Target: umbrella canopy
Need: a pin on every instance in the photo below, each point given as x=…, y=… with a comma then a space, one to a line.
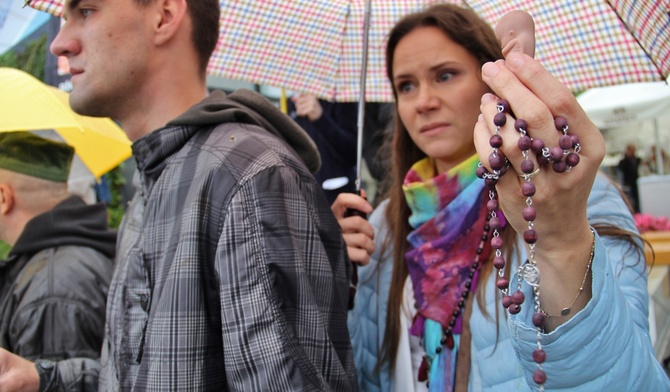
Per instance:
x=315, y=46
x=27, y=104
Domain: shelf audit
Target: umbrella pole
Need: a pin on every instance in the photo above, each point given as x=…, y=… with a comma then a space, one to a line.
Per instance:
x=361, y=97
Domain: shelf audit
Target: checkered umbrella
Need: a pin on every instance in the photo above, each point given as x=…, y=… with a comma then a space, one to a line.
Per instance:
x=316, y=46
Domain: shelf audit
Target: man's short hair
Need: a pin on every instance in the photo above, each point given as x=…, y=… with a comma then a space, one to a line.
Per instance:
x=34, y=156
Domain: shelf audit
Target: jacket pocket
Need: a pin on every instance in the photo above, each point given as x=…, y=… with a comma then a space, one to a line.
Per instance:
x=136, y=305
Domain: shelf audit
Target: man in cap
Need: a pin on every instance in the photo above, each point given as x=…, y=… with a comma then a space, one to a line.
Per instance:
x=54, y=282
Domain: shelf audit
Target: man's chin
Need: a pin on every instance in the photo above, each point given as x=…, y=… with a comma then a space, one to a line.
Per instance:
x=84, y=105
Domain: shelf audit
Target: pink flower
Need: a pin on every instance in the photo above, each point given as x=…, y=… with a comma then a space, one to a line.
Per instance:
x=648, y=222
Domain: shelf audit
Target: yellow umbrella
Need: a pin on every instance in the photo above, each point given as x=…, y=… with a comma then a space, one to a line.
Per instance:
x=27, y=104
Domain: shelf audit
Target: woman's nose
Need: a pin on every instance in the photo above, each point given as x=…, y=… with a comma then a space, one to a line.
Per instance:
x=427, y=99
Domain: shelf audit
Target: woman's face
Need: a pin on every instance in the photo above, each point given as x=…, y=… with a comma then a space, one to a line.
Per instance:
x=439, y=88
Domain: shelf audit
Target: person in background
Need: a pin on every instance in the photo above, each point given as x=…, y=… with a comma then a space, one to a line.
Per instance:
x=652, y=165
x=54, y=282
x=378, y=129
x=332, y=126
x=533, y=278
x=231, y=271
x=629, y=166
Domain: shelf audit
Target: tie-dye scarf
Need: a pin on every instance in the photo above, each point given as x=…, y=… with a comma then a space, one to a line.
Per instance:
x=448, y=219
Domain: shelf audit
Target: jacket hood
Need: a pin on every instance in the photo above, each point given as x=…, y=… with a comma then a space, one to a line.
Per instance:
x=246, y=106
x=72, y=222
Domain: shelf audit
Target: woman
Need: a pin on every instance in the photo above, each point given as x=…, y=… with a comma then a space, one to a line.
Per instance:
x=427, y=314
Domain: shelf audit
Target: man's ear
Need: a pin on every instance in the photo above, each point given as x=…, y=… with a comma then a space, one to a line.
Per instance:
x=6, y=199
x=169, y=19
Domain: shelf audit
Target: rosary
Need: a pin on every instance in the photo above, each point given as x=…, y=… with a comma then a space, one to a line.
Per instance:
x=561, y=158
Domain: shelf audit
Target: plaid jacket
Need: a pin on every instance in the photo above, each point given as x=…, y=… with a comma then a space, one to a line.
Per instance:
x=231, y=271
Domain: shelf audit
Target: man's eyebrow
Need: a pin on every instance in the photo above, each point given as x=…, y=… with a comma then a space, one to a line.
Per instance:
x=73, y=4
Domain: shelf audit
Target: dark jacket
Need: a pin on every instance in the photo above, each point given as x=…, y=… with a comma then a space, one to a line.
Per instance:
x=53, y=285
x=334, y=134
x=232, y=272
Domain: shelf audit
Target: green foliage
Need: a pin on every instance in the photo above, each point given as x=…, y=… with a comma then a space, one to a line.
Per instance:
x=4, y=249
x=115, y=209
x=31, y=60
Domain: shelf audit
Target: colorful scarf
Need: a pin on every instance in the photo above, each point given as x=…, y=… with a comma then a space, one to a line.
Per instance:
x=448, y=219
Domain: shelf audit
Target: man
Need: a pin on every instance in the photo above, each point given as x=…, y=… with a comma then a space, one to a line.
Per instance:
x=53, y=284
x=332, y=126
x=231, y=270
x=629, y=166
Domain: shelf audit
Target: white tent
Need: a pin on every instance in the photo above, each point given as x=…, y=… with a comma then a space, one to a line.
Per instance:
x=636, y=113
x=614, y=106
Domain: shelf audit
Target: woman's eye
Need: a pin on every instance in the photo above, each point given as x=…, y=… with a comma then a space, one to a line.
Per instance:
x=404, y=87
x=444, y=76
x=86, y=12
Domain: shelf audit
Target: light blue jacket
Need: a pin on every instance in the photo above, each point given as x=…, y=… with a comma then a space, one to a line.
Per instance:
x=605, y=347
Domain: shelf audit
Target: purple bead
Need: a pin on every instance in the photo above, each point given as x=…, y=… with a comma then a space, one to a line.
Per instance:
x=539, y=356
x=502, y=283
x=525, y=143
x=503, y=170
x=504, y=105
x=530, y=236
x=496, y=141
x=518, y=297
x=529, y=214
x=496, y=243
x=514, y=309
x=560, y=123
x=527, y=166
x=560, y=166
x=492, y=205
x=528, y=189
x=556, y=153
x=496, y=161
x=572, y=159
x=538, y=319
x=481, y=170
x=495, y=223
x=575, y=140
x=490, y=183
x=539, y=376
x=499, y=262
x=500, y=119
x=520, y=124
x=537, y=145
x=565, y=142
x=507, y=301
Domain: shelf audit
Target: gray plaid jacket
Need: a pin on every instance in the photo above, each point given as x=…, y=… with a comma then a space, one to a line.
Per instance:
x=231, y=271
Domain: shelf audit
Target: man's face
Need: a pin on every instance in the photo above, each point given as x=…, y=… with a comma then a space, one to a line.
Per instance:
x=107, y=43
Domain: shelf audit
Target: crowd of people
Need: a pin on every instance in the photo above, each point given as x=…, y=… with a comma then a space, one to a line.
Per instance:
x=499, y=259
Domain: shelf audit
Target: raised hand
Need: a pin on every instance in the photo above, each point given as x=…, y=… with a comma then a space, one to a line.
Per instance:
x=307, y=106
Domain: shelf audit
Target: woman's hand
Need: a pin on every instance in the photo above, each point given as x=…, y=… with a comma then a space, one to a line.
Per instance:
x=564, y=239
x=357, y=231
x=537, y=97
